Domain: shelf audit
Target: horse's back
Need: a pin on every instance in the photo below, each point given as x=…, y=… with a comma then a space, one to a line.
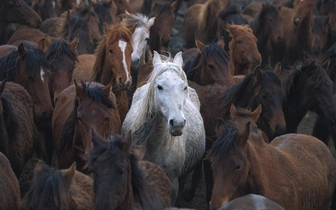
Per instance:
x=252, y=202
x=313, y=165
x=6, y=49
x=30, y=34
x=84, y=68
x=9, y=186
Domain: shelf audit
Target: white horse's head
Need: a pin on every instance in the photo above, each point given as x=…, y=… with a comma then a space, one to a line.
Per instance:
x=171, y=91
x=140, y=35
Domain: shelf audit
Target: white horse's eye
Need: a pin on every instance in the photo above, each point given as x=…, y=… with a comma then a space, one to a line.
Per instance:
x=147, y=39
x=159, y=87
x=185, y=88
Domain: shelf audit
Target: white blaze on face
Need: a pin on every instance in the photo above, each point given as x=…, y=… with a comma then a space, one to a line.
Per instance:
x=41, y=74
x=122, y=45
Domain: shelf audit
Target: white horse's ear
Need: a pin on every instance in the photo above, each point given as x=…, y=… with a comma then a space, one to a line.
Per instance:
x=178, y=60
x=127, y=13
x=157, y=59
x=150, y=22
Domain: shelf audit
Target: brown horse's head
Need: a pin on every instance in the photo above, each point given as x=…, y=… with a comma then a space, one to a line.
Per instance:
x=243, y=47
x=97, y=110
x=228, y=159
x=321, y=32
x=29, y=68
x=45, y=8
x=161, y=30
x=18, y=11
x=50, y=189
x=302, y=10
x=122, y=6
x=62, y=58
x=114, y=56
x=107, y=13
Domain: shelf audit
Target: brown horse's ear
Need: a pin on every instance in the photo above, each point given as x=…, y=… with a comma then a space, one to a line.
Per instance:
x=243, y=137
x=68, y=174
x=256, y=113
x=257, y=72
x=47, y=43
x=74, y=43
x=232, y=29
x=107, y=89
x=221, y=42
x=79, y=90
x=278, y=68
x=199, y=44
x=106, y=28
x=2, y=86
x=220, y=127
x=133, y=28
x=41, y=45
x=173, y=6
x=326, y=65
x=38, y=167
x=22, y=50
x=233, y=111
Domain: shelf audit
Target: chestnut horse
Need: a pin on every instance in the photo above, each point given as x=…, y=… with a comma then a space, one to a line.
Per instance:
x=16, y=11
x=298, y=171
x=29, y=68
x=266, y=26
x=17, y=128
x=78, y=109
x=111, y=63
x=308, y=88
x=10, y=190
x=251, y=202
x=62, y=59
x=201, y=21
x=59, y=189
x=121, y=181
x=244, y=54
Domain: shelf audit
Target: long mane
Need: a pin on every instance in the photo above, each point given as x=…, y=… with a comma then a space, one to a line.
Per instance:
x=147, y=103
x=132, y=19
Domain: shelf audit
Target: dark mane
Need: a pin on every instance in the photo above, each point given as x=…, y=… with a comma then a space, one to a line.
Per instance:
x=320, y=24
x=59, y=48
x=318, y=75
x=75, y=23
x=97, y=94
x=232, y=14
x=33, y=59
x=160, y=8
x=244, y=89
x=210, y=51
x=48, y=186
x=85, y=11
x=223, y=144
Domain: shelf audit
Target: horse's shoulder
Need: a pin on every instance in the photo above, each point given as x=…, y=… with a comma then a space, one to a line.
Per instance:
x=194, y=97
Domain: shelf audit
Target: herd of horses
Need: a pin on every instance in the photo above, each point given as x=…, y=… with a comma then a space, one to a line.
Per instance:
x=82, y=84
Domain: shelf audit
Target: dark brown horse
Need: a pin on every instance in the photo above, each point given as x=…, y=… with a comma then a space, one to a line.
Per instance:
x=10, y=190
x=62, y=59
x=17, y=127
x=308, y=88
x=267, y=28
x=107, y=13
x=121, y=181
x=29, y=68
x=323, y=36
x=112, y=62
x=296, y=171
x=16, y=11
x=59, y=189
x=78, y=109
x=210, y=65
x=252, y=202
x=45, y=8
x=244, y=54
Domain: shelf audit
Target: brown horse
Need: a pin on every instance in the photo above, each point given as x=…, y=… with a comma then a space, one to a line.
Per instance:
x=107, y=13
x=6, y=49
x=201, y=21
x=259, y=87
x=121, y=181
x=29, y=68
x=267, y=28
x=112, y=63
x=160, y=32
x=26, y=34
x=17, y=127
x=16, y=11
x=78, y=109
x=308, y=88
x=45, y=8
x=323, y=36
x=251, y=202
x=62, y=59
x=210, y=65
x=244, y=54
x=10, y=190
x=122, y=6
x=59, y=189
x=296, y=171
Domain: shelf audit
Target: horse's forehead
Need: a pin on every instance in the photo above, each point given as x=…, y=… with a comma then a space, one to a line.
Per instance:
x=139, y=33
x=170, y=78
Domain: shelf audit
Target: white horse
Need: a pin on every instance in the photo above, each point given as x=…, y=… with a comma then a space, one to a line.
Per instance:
x=166, y=123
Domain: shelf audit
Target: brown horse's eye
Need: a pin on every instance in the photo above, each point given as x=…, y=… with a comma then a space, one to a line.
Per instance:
x=30, y=78
x=111, y=51
x=238, y=166
x=239, y=41
x=211, y=66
